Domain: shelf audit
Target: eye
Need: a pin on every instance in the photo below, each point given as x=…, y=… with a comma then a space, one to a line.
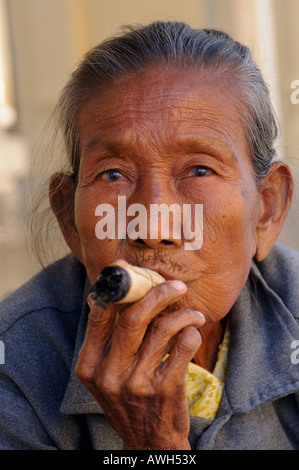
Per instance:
x=112, y=175
x=201, y=171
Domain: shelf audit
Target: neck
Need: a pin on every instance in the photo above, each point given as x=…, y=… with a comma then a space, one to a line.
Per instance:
x=212, y=336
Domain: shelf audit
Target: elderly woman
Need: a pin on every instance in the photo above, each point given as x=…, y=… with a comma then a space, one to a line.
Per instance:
x=163, y=114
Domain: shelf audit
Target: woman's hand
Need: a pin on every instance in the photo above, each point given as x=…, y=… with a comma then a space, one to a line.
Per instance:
x=120, y=363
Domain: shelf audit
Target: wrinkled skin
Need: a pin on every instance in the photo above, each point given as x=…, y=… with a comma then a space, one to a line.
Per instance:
x=171, y=136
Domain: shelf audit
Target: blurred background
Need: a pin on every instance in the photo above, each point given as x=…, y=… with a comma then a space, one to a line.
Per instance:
x=41, y=41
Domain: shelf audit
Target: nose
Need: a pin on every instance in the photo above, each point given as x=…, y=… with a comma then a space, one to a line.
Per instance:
x=158, y=224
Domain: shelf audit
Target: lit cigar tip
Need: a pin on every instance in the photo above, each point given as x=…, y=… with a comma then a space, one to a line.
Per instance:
x=112, y=284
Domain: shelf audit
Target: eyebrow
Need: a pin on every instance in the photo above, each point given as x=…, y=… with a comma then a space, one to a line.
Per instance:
x=97, y=142
x=92, y=143
x=193, y=143
x=205, y=144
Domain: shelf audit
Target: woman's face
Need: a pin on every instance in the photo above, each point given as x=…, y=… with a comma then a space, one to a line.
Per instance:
x=169, y=136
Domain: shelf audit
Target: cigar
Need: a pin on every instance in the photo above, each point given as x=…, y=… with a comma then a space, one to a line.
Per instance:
x=123, y=283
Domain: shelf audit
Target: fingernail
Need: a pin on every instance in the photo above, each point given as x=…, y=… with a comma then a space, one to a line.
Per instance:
x=178, y=285
x=90, y=300
x=201, y=315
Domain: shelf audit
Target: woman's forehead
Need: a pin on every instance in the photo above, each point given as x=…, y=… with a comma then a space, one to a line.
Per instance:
x=159, y=89
x=162, y=103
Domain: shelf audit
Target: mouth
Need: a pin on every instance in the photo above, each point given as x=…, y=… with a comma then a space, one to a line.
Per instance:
x=168, y=265
x=164, y=272
x=169, y=270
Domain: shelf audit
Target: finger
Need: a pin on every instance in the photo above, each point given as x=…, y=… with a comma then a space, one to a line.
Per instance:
x=97, y=338
x=133, y=321
x=162, y=335
x=187, y=342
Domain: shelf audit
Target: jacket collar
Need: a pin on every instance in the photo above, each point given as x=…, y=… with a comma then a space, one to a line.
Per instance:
x=260, y=369
x=259, y=365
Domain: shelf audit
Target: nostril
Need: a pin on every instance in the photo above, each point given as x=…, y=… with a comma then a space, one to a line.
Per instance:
x=166, y=242
x=153, y=243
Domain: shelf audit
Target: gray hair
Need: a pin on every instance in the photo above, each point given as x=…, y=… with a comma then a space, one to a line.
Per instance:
x=178, y=44
x=160, y=43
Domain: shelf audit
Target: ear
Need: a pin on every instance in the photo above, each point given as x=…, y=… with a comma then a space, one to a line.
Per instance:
x=62, y=194
x=276, y=192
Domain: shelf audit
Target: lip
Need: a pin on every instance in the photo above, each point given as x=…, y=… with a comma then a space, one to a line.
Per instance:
x=167, y=266
x=163, y=271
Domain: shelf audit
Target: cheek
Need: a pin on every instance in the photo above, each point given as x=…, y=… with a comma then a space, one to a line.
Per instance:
x=224, y=259
x=85, y=213
x=229, y=239
x=230, y=219
x=96, y=253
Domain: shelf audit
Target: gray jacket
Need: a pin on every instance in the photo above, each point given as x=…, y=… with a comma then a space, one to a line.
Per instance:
x=44, y=406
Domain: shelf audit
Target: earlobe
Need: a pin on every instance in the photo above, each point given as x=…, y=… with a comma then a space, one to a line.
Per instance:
x=61, y=195
x=275, y=191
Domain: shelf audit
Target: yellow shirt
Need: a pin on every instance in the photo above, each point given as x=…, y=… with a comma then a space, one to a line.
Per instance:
x=204, y=389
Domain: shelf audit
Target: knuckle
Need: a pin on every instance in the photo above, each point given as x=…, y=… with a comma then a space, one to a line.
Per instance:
x=100, y=380
x=189, y=340
x=84, y=373
x=191, y=316
x=130, y=320
x=107, y=384
x=163, y=290
x=161, y=294
x=94, y=316
x=161, y=327
x=132, y=387
x=168, y=325
x=137, y=386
